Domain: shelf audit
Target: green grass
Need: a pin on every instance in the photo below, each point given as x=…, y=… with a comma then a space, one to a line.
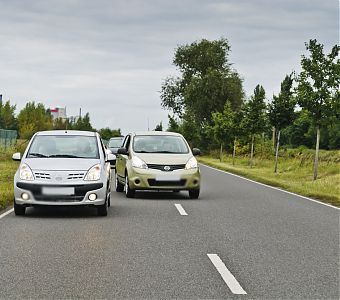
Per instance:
x=295, y=173
x=7, y=171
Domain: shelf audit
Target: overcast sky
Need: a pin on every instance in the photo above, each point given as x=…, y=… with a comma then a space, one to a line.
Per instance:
x=110, y=57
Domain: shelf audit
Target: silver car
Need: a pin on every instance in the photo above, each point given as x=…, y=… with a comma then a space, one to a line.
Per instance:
x=63, y=167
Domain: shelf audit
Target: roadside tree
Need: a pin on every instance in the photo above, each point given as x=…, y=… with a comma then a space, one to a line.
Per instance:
x=32, y=118
x=281, y=111
x=7, y=116
x=254, y=120
x=318, y=89
x=205, y=83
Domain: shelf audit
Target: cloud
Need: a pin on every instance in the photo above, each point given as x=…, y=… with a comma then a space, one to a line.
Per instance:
x=110, y=57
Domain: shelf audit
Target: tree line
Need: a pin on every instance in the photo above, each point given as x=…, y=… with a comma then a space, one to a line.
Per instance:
x=208, y=106
x=36, y=117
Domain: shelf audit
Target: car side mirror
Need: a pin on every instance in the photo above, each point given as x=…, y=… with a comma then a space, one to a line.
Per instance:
x=108, y=151
x=111, y=157
x=16, y=156
x=196, y=151
x=123, y=151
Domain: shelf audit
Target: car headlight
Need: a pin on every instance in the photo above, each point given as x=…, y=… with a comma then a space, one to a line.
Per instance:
x=93, y=173
x=191, y=164
x=26, y=172
x=138, y=163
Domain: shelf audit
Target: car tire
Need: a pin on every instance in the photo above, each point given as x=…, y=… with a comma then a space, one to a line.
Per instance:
x=130, y=193
x=19, y=210
x=194, y=194
x=119, y=186
x=102, y=209
x=109, y=194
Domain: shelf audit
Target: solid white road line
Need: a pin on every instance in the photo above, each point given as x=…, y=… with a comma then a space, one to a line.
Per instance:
x=181, y=210
x=272, y=187
x=228, y=278
x=6, y=213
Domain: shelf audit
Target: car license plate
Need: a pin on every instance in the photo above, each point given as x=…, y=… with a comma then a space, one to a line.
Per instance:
x=58, y=190
x=167, y=177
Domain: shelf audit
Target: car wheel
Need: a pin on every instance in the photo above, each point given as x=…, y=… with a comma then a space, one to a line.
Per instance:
x=109, y=195
x=119, y=186
x=130, y=193
x=19, y=210
x=102, y=209
x=194, y=194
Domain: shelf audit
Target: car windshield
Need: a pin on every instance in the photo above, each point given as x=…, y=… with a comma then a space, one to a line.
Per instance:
x=115, y=143
x=159, y=144
x=75, y=146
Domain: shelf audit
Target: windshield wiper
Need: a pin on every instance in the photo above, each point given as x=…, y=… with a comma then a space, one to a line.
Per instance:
x=37, y=155
x=167, y=152
x=66, y=156
x=143, y=151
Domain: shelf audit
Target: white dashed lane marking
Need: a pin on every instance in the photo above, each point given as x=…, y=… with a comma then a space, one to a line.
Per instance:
x=228, y=278
x=181, y=210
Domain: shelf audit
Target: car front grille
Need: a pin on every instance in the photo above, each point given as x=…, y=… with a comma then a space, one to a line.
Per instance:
x=58, y=198
x=154, y=182
x=80, y=191
x=42, y=175
x=72, y=176
x=166, y=168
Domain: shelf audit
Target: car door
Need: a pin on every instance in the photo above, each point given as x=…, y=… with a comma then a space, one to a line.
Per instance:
x=122, y=159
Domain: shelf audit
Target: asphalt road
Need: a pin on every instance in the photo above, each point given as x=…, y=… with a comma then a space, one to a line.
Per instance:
x=267, y=244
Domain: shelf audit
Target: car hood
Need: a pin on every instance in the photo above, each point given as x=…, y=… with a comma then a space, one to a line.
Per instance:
x=164, y=158
x=60, y=164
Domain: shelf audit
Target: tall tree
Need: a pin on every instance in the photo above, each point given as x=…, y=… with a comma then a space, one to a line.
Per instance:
x=159, y=127
x=281, y=111
x=205, y=83
x=33, y=117
x=107, y=133
x=60, y=124
x=173, y=124
x=83, y=123
x=255, y=116
x=227, y=127
x=7, y=115
x=318, y=88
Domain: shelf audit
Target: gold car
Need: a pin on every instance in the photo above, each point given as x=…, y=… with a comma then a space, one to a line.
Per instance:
x=157, y=161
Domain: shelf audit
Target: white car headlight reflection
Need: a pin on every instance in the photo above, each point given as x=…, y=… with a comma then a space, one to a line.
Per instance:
x=26, y=172
x=93, y=173
x=191, y=164
x=138, y=163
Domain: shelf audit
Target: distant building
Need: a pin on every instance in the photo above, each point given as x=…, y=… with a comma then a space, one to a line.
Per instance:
x=58, y=112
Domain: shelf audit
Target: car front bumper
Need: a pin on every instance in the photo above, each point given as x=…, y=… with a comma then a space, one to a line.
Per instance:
x=151, y=179
x=80, y=196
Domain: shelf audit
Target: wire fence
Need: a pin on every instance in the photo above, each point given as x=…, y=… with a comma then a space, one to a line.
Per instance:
x=8, y=138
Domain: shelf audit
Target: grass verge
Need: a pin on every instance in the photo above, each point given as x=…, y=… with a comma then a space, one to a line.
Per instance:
x=7, y=171
x=294, y=175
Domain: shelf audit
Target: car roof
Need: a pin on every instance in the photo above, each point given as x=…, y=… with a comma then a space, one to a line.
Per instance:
x=66, y=132
x=116, y=137
x=156, y=133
